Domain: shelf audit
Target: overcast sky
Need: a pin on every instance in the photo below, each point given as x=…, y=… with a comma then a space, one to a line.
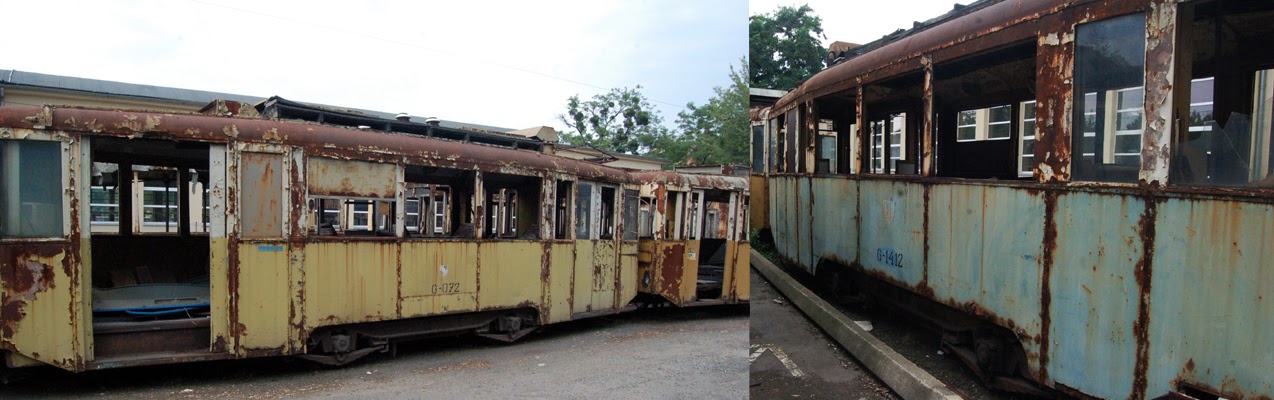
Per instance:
x=511, y=64
x=862, y=21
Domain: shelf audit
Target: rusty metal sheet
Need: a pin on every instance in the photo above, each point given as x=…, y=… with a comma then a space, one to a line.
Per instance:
x=605, y=264
x=262, y=298
x=892, y=229
x=349, y=281
x=759, y=205
x=835, y=203
x=966, y=28
x=627, y=273
x=261, y=210
x=802, y=203
x=350, y=178
x=985, y=256
x=674, y=276
x=505, y=279
x=582, y=278
x=1094, y=293
x=561, y=276
x=438, y=277
x=329, y=141
x=1213, y=298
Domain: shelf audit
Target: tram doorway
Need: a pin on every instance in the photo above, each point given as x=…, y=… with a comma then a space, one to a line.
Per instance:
x=149, y=218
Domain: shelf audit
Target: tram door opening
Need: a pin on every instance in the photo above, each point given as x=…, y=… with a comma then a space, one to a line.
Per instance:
x=149, y=223
x=712, y=229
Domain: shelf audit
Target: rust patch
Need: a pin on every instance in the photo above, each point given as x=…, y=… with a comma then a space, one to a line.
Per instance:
x=1046, y=272
x=1143, y=273
x=669, y=271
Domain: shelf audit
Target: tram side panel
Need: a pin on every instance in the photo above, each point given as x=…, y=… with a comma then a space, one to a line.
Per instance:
x=1212, y=297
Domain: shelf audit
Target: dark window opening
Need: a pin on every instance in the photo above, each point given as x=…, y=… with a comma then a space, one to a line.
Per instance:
x=607, y=213
x=986, y=114
x=893, y=109
x=438, y=202
x=1224, y=138
x=513, y=207
x=562, y=222
x=834, y=128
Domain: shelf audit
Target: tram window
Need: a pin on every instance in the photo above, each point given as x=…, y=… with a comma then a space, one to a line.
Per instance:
x=351, y=198
x=826, y=163
x=646, y=218
x=1225, y=136
x=437, y=201
x=745, y=226
x=607, y=213
x=1110, y=58
x=630, y=214
x=775, y=143
x=428, y=209
x=563, y=207
x=158, y=186
x=584, y=212
x=502, y=208
x=758, y=149
x=979, y=101
x=513, y=211
x=673, y=215
x=889, y=144
x=30, y=189
x=104, y=199
x=693, y=210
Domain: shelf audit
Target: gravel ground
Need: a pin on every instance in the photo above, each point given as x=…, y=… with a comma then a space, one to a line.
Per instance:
x=664, y=353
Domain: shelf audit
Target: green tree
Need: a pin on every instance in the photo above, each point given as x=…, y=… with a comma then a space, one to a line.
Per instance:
x=620, y=121
x=714, y=133
x=785, y=47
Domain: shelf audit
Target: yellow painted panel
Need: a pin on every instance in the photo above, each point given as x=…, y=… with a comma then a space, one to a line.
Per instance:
x=348, y=282
x=439, y=277
x=263, y=296
x=583, y=279
x=45, y=330
x=728, y=272
x=645, y=267
x=690, y=270
x=561, y=277
x=743, y=272
x=605, y=259
x=627, y=272
x=510, y=274
x=219, y=295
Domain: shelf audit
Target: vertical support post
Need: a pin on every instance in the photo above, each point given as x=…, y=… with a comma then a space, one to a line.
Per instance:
x=810, y=135
x=1156, y=142
x=1055, y=70
x=926, y=127
x=860, y=127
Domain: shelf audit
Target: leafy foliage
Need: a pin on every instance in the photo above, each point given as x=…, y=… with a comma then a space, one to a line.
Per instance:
x=620, y=121
x=785, y=47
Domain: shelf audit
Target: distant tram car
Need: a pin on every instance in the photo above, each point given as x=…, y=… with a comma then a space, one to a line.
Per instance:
x=139, y=238
x=1076, y=194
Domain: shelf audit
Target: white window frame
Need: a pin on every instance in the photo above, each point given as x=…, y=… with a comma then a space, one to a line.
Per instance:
x=108, y=205
x=173, y=207
x=1026, y=169
x=1112, y=117
x=982, y=124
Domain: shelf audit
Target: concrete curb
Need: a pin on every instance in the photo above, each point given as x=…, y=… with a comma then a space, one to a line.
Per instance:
x=903, y=376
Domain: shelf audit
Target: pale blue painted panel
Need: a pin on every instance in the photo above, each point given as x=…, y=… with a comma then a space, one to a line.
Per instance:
x=803, y=228
x=1094, y=293
x=985, y=247
x=835, y=236
x=1212, y=297
x=892, y=230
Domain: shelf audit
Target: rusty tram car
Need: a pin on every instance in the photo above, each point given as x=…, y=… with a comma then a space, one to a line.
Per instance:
x=136, y=238
x=1077, y=194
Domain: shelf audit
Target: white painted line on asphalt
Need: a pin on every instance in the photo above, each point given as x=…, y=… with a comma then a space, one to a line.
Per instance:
x=759, y=349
